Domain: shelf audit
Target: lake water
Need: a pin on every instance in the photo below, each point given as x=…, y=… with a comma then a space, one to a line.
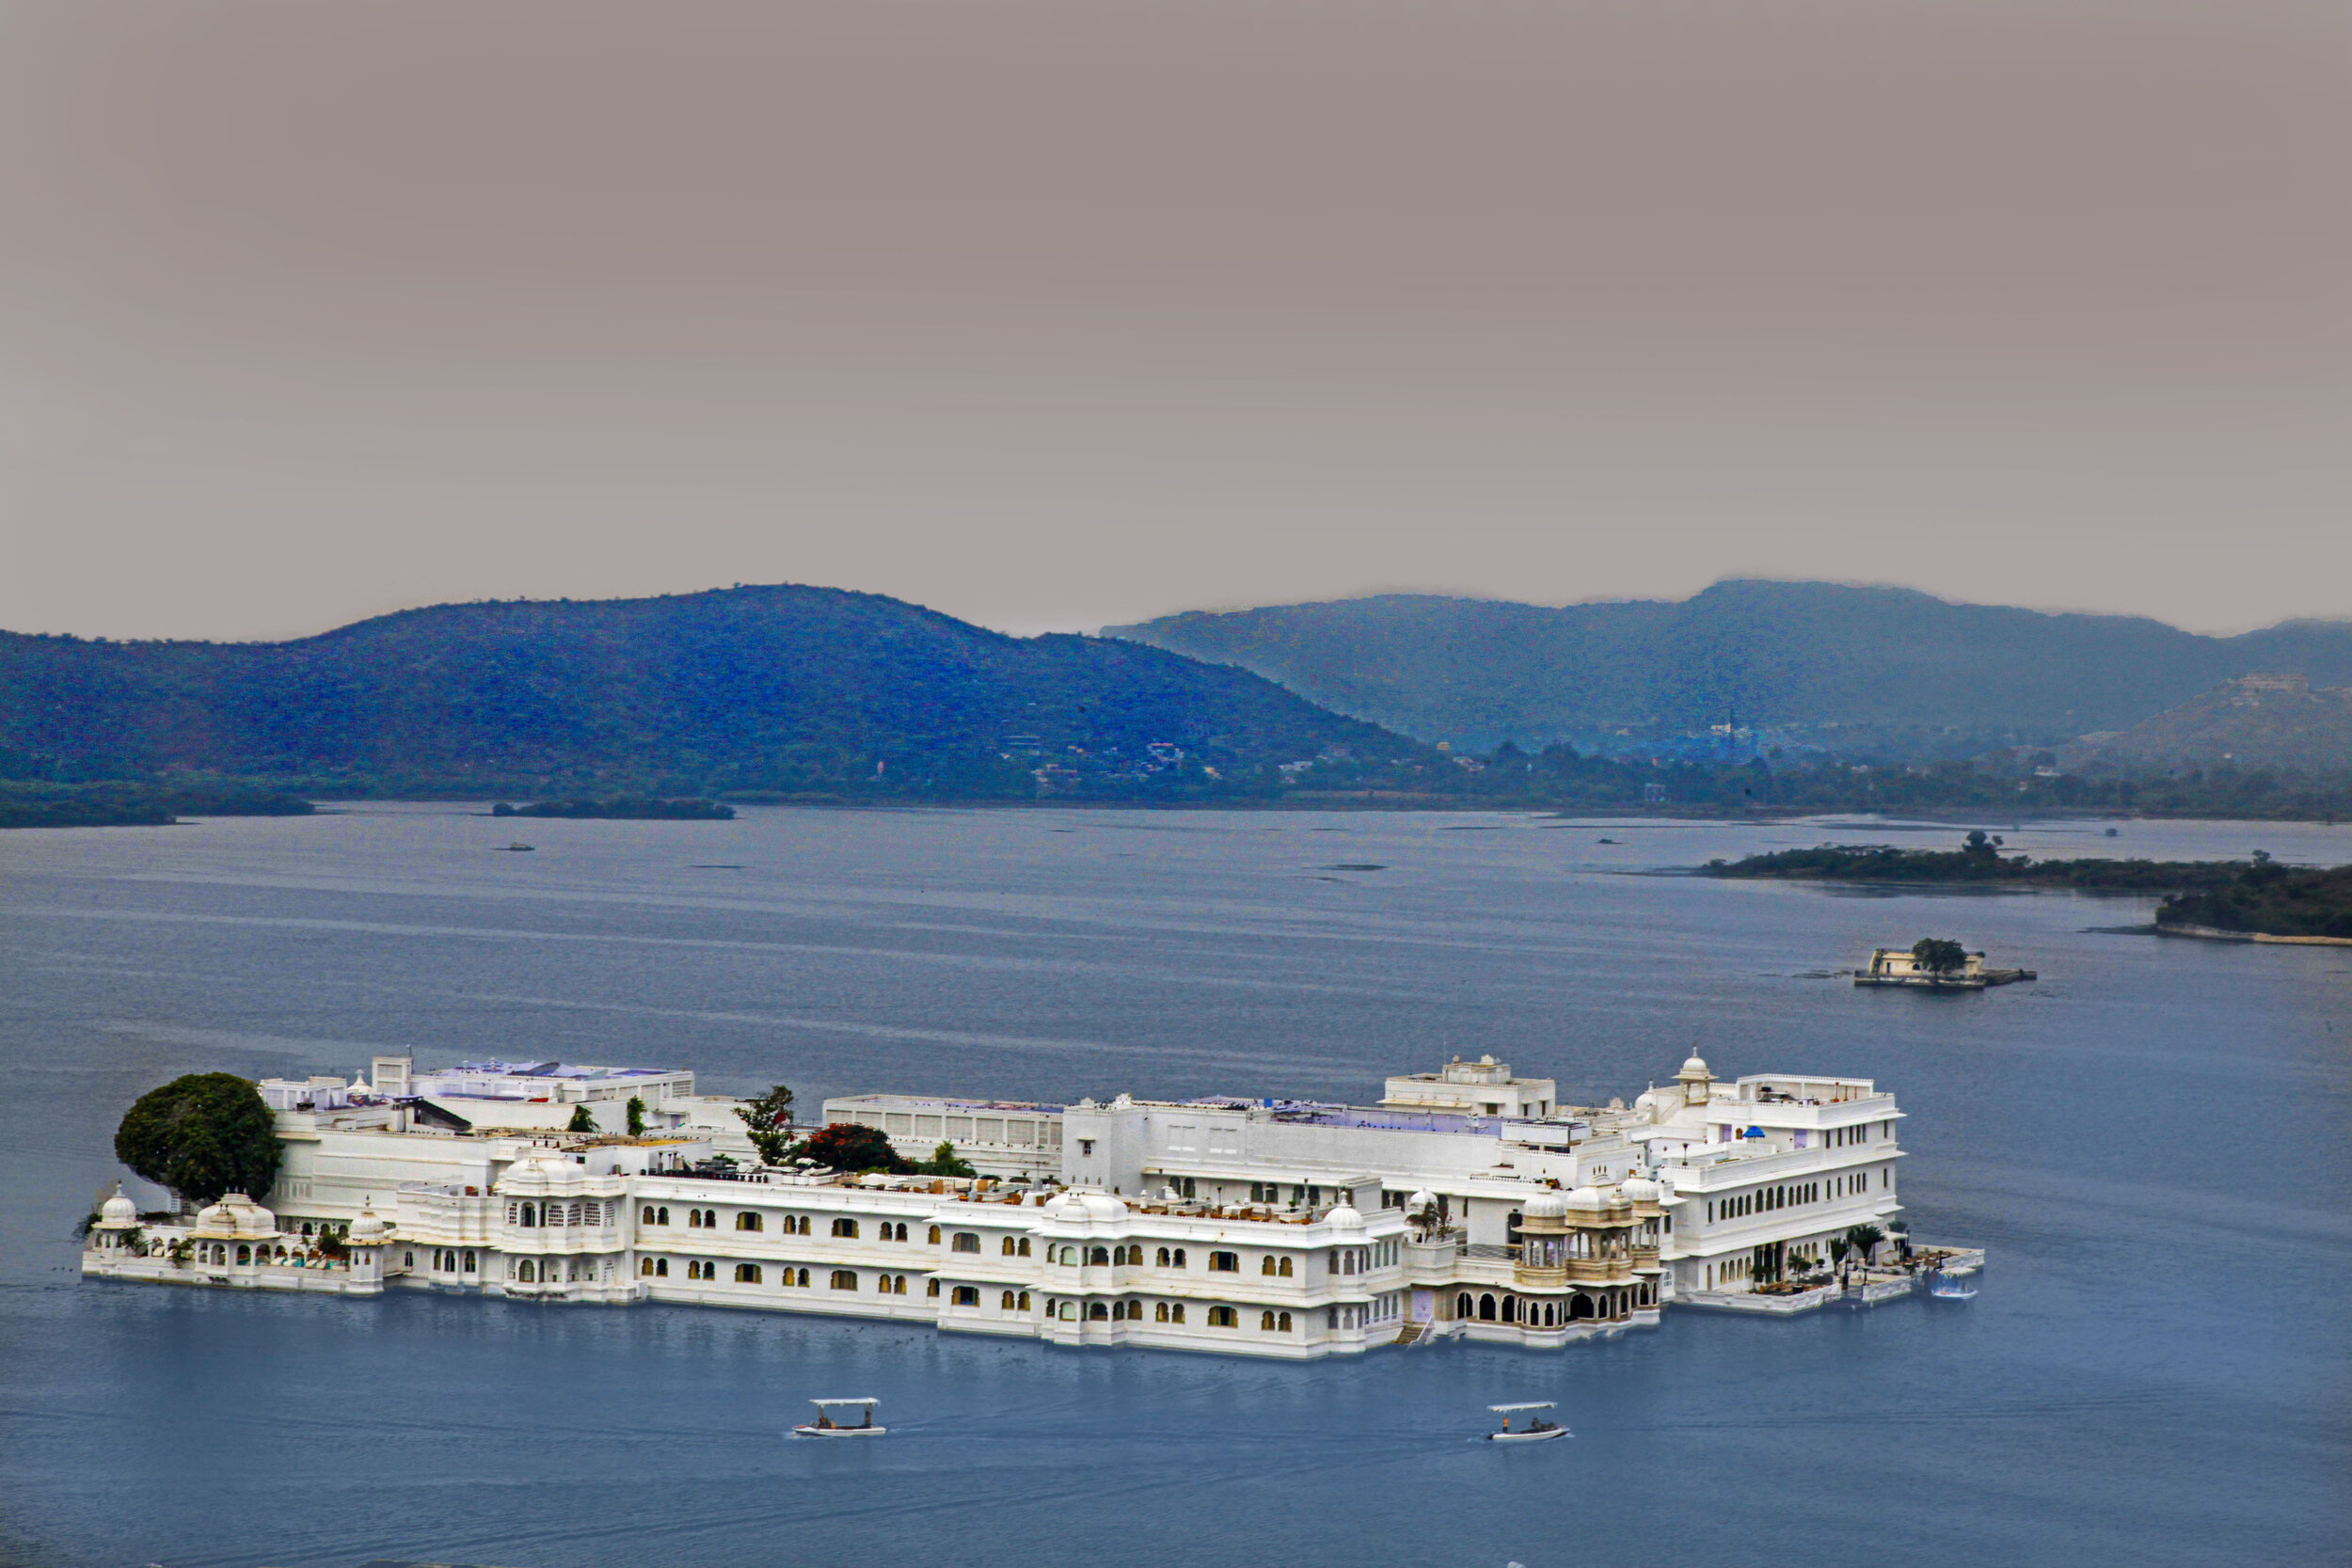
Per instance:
x=2152, y=1140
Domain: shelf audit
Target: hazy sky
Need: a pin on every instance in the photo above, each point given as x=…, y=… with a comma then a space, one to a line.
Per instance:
x=1051, y=314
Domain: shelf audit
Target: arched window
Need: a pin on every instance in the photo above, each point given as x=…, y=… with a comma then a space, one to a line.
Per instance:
x=1163, y=1257
x=1266, y=1265
x=306, y=1223
x=1462, y=1305
x=1023, y=1250
x=1176, y=1312
x=694, y=1219
x=245, y=1253
x=1159, y=1313
x=1283, y=1322
x=530, y=1215
x=967, y=1295
x=1180, y=1263
x=966, y=1241
x=1265, y=1322
x=747, y=1273
x=1224, y=1317
x=1068, y=1311
x=527, y=1273
x=1485, y=1309
x=1007, y=1247
x=935, y=1235
x=645, y=1268
x=662, y=1215
x=1119, y=1311
x=470, y=1265
x=1005, y=1306
x=845, y=1227
x=845, y=1279
x=647, y=1218
x=1510, y=1309
x=1100, y=1255
x=1098, y=1312
x=747, y=1221
x=1285, y=1269
x=1225, y=1263
x=803, y=1279
x=1021, y=1304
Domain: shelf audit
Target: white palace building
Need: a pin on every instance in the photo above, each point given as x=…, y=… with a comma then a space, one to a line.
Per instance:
x=1466, y=1203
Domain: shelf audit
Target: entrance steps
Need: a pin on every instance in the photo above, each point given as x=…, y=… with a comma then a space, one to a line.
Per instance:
x=1412, y=1333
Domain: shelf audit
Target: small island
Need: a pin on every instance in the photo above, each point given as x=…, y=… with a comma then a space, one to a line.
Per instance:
x=624, y=808
x=2250, y=901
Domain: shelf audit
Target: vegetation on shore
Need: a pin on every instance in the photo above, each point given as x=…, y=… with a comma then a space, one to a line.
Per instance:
x=2249, y=895
x=133, y=803
x=1978, y=861
x=624, y=809
x=2272, y=900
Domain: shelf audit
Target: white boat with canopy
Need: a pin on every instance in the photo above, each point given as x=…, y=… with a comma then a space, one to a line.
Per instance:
x=825, y=1426
x=1537, y=1429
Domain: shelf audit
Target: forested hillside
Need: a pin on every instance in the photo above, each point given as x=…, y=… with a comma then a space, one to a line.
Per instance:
x=782, y=688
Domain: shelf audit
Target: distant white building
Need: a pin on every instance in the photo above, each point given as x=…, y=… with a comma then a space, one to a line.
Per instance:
x=1467, y=1203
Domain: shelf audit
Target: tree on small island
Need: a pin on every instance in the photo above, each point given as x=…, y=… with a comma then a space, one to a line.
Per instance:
x=768, y=1120
x=1938, y=955
x=851, y=1147
x=202, y=1135
x=583, y=1120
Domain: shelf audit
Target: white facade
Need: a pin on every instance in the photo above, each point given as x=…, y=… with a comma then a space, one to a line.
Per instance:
x=1278, y=1228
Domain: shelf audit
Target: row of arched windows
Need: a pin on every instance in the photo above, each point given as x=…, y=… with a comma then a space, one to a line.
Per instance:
x=536, y=1214
x=447, y=1261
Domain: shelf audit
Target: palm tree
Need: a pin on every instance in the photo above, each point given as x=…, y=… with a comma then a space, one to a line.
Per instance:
x=1864, y=1240
x=1838, y=1249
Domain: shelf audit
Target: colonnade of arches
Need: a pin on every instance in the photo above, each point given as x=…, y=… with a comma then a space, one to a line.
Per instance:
x=1609, y=1305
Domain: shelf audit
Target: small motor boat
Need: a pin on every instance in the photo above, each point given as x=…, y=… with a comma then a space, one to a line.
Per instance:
x=825, y=1426
x=1943, y=1285
x=517, y=848
x=1537, y=1429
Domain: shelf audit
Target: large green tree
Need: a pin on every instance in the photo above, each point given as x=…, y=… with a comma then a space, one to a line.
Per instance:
x=202, y=1135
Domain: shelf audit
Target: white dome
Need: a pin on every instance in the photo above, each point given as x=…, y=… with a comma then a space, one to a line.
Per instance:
x=1586, y=1199
x=1421, y=1201
x=359, y=1089
x=1547, y=1205
x=1695, y=1068
x=118, y=1210
x=1640, y=1189
x=216, y=1217
x=367, y=1228
x=1065, y=1206
x=1643, y=1100
x=1344, y=1215
x=1103, y=1206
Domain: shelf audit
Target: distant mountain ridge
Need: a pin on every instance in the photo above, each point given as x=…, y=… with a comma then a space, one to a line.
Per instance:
x=1803, y=654
x=784, y=687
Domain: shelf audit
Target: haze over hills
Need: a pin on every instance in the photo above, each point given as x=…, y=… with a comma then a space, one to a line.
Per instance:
x=1888, y=665
x=786, y=688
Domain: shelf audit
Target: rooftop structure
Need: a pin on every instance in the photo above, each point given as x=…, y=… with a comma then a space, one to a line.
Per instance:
x=1274, y=1227
x=1483, y=1087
